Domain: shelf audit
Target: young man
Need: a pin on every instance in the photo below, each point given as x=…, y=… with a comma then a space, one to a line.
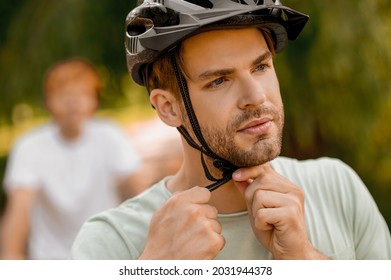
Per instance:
x=209, y=70
x=65, y=171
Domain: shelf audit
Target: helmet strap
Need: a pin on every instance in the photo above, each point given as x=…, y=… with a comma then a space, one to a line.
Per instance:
x=223, y=165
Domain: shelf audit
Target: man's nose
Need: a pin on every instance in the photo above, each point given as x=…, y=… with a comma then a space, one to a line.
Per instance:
x=252, y=91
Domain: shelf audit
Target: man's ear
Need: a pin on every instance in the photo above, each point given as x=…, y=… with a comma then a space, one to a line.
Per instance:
x=167, y=107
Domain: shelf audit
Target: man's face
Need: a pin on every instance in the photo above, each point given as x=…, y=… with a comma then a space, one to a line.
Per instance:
x=72, y=104
x=235, y=94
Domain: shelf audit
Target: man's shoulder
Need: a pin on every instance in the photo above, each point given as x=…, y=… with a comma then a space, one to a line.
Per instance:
x=126, y=226
x=151, y=198
x=324, y=180
x=140, y=207
x=321, y=164
x=321, y=172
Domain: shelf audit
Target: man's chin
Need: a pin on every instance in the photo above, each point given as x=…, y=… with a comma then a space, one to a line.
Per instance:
x=249, y=159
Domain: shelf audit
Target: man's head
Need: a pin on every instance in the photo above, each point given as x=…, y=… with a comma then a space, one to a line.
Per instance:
x=230, y=89
x=214, y=64
x=71, y=90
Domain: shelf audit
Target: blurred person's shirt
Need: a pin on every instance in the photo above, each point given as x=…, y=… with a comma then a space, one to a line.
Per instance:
x=74, y=180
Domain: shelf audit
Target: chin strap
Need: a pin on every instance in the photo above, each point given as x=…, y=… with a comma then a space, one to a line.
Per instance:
x=226, y=167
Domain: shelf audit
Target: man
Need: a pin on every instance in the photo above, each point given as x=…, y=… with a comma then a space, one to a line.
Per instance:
x=65, y=171
x=209, y=70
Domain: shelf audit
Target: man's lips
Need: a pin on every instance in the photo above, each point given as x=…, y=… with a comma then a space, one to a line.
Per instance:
x=257, y=127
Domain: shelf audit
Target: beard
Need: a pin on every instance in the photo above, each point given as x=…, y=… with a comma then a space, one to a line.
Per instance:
x=262, y=149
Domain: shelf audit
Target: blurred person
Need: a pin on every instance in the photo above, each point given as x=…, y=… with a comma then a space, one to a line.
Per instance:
x=208, y=67
x=68, y=169
x=160, y=149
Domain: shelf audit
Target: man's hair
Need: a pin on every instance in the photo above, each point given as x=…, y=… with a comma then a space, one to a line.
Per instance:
x=161, y=73
x=75, y=70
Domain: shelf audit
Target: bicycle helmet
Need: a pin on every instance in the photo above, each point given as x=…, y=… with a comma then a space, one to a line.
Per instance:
x=157, y=26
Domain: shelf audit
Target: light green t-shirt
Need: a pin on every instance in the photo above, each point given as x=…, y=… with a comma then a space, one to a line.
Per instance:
x=343, y=221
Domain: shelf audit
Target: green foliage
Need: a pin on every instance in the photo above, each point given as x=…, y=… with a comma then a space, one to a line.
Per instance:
x=335, y=82
x=41, y=32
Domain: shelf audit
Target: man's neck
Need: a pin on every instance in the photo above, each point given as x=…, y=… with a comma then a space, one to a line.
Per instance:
x=227, y=198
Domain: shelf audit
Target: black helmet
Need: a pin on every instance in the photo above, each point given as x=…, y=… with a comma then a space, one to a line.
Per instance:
x=156, y=26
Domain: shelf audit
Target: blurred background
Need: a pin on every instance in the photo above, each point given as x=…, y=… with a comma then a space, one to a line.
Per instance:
x=335, y=79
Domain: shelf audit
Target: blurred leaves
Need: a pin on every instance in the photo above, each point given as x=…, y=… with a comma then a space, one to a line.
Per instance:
x=335, y=81
x=39, y=32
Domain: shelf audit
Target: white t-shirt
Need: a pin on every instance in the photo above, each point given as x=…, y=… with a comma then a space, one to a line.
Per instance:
x=342, y=219
x=74, y=180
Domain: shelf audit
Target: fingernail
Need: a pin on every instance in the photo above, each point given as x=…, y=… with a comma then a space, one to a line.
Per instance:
x=237, y=174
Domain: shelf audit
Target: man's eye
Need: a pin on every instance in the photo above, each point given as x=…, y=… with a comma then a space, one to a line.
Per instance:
x=262, y=67
x=216, y=82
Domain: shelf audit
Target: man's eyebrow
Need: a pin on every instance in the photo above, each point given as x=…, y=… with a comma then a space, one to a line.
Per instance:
x=214, y=73
x=223, y=72
x=265, y=56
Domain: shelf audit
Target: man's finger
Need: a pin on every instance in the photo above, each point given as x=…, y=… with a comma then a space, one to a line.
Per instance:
x=246, y=173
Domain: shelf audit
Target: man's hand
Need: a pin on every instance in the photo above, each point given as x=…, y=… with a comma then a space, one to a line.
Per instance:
x=185, y=227
x=276, y=211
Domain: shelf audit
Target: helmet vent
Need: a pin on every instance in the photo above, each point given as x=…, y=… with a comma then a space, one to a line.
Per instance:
x=132, y=44
x=203, y=3
x=139, y=26
x=250, y=2
x=135, y=28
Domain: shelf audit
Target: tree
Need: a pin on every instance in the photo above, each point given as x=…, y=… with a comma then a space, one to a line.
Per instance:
x=40, y=32
x=335, y=82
